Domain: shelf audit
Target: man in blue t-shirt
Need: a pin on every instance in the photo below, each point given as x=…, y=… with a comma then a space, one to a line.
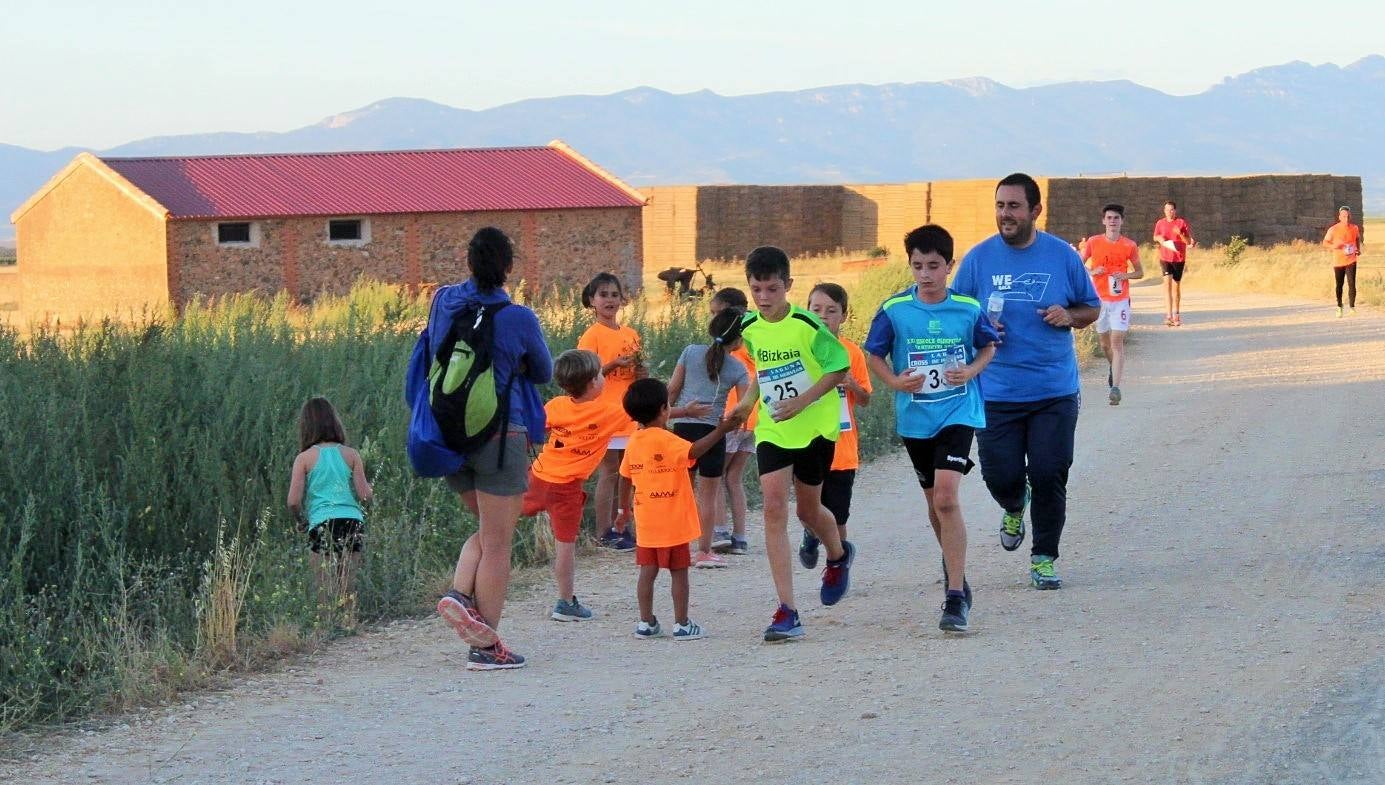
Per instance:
x=936, y=343
x=1041, y=294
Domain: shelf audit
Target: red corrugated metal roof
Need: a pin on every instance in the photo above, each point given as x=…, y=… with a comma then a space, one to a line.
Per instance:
x=421, y=181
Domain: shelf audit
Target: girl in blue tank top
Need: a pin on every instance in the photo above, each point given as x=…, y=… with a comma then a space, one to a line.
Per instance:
x=326, y=490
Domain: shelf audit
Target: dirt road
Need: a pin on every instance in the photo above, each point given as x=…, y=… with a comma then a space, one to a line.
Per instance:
x=1222, y=621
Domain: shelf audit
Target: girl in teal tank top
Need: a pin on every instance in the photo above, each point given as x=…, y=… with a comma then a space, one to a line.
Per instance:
x=327, y=488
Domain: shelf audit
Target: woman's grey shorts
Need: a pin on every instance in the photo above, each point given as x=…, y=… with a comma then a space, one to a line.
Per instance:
x=482, y=471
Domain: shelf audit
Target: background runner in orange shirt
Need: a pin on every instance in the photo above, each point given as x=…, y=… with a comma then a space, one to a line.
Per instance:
x=828, y=301
x=1344, y=238
x=1114, y=261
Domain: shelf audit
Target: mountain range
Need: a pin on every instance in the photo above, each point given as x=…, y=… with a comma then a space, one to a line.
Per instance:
x=1294, y=117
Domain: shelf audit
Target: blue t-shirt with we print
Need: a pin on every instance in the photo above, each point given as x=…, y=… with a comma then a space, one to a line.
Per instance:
x=1036, y=361
x=922, y=337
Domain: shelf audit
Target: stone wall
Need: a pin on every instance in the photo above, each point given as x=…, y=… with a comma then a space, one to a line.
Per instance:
x=685, y=223
x=552, y=247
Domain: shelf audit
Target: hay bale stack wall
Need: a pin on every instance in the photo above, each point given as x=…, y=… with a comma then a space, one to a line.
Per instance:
x=685, y=223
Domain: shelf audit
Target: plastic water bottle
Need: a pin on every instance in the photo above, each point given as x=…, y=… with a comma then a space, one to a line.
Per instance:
x=995, y=306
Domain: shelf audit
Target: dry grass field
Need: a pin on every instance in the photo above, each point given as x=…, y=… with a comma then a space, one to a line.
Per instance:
x=1297, y=269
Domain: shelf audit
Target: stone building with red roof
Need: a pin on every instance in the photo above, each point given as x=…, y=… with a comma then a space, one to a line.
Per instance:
x=117, y=236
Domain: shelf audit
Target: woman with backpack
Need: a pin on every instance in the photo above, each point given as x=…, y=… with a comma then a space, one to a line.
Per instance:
x=492, y=368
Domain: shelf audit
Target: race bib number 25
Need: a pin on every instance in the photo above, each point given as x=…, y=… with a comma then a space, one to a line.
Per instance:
x=783, y=382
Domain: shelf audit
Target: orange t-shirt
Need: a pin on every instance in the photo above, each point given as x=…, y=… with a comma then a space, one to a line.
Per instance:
x=848, y=455
x=656, y=461
x=1345, y=233
x=577, y=437
x=733, y=397
x=608, y=345
x=1107, y=258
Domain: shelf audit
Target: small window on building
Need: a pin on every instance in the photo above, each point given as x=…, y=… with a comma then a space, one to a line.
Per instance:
x=233, y=233
x=345, y=230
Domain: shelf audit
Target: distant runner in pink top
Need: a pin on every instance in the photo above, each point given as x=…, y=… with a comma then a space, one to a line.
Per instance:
x=1174, y=237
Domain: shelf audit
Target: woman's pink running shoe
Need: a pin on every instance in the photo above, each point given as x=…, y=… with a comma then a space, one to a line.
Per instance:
x=459, y=610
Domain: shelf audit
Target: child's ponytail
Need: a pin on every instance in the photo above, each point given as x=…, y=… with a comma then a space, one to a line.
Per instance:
x=725, y=329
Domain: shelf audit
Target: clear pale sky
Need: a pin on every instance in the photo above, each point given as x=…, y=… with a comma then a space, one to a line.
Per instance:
x=98, y=73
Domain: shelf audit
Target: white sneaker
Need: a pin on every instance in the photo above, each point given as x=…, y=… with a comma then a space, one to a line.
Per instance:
x=645, y=630
x=708, y=561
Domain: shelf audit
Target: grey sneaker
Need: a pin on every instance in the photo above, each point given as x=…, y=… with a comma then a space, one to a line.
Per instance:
x=570, y=610
x=1012, y=525
x=955, y=610
x=687, y=632
x=739, y=547
x=1115, y=396
x=721, y=540
x=645, y=630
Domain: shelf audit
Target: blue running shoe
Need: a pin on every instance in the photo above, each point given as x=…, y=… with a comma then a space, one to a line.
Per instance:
x=608, y=538
x=571, y=610
x=785, y=627
x=808, y=550
x=739, y=547
x=1042, y=574
x=687, y=632
x=836, y=577
x=646, y=630
x=625, y=541
x=494, y=658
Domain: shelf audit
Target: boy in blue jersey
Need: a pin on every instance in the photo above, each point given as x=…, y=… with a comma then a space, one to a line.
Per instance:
x=929, y=344
x=1031, y=389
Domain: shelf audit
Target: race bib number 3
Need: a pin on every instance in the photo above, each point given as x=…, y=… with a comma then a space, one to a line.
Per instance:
x=931, y=365
x=783, y=382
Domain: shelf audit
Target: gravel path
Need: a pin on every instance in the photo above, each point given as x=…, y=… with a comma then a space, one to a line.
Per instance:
x=1222, y=621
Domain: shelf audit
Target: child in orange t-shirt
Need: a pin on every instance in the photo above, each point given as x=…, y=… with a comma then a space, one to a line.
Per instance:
x=580, y=424
x=657, y=490
x=618, y=347
x=740, y=443
x=828, y=301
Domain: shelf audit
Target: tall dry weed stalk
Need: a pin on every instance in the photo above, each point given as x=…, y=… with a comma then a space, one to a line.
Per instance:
x=225, y=581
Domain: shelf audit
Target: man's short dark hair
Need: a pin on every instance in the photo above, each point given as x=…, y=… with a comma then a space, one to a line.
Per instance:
x=645, y=399
x=929, y=238
x=1031, y=188
x=767, y=262
x=1171, y=203
x=1114, y=208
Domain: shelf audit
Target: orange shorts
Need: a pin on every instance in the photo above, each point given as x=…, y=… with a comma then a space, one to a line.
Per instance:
x=674, y=557
x=563, y=501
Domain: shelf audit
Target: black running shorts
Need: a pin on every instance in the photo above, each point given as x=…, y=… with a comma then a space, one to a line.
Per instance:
x=949, y=449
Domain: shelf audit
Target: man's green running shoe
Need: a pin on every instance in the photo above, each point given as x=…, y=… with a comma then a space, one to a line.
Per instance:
x=1042, y=574
x=1012, y=525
